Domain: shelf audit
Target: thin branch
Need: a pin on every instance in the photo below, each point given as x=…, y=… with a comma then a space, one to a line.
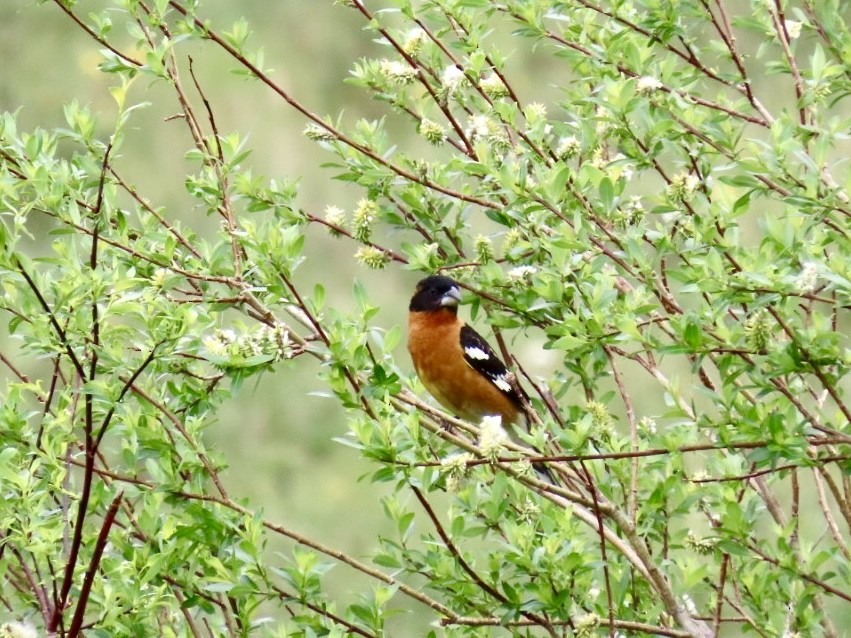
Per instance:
x=538, y=620
x=35, y=587
x=339, y=135
x=629, y=625
x=632, y=495
x=208, y=465
x=828, y=515
x=630, y=73
x=107, y=419
x=66, y=7
x=844, y=595
x=88, y=580
x=719, y=595
x=60, y=332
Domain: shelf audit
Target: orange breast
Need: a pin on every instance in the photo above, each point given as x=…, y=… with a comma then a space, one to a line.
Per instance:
x=435, y=346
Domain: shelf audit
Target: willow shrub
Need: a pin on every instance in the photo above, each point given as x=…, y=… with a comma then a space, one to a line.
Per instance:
x=659, y=197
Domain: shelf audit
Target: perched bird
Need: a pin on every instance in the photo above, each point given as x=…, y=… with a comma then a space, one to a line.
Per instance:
x=454, y=363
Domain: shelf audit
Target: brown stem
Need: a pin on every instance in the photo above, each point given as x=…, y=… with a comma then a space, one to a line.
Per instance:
x=88, y=580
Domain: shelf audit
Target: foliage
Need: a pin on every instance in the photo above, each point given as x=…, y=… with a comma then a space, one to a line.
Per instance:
x=664, y=207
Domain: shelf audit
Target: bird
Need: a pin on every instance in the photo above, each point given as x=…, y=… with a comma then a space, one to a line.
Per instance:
x=454, y=362
x=457, y=366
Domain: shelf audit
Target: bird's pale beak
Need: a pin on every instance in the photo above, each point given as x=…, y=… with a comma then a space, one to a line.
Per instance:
x=451, y=298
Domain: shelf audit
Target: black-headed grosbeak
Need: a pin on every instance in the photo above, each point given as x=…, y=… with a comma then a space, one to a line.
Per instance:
x=455, y=364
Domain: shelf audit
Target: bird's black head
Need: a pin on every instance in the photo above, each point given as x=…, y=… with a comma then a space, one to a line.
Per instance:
x=435, y=292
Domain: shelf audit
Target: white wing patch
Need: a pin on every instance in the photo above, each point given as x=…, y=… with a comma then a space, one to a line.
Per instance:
x=502, y=383
x=476, y=353
x=479, y=356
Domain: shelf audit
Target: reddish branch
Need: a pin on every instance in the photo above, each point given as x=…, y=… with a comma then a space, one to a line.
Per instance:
x=97, y=553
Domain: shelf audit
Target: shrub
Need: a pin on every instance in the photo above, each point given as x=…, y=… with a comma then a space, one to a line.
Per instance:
x=658, y=197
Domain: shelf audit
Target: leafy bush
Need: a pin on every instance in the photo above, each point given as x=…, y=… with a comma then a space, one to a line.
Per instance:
x=659, y=196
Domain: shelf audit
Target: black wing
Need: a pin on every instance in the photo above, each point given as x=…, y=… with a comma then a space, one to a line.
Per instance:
x=480, y=356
